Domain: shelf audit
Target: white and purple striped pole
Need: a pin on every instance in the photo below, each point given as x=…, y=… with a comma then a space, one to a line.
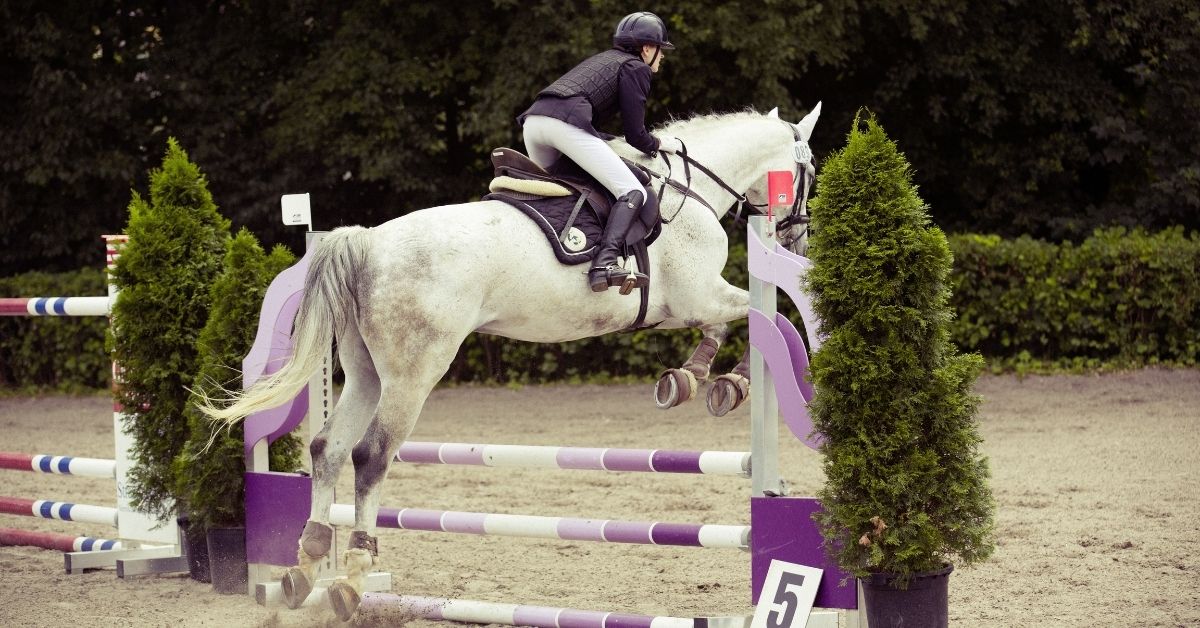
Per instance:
x=55, y=306
x=561, y=528
x=735, y=463
x=389, y=605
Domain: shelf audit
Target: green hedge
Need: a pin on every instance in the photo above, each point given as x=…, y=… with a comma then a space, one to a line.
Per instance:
x=52, y=352
x=1120, y=298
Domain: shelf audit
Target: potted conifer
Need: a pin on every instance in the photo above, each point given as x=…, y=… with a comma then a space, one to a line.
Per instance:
x=209, y=472
x=176, y=239
x=906, y=494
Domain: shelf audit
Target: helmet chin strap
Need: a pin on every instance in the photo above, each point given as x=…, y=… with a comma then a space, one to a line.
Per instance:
x=657, y=50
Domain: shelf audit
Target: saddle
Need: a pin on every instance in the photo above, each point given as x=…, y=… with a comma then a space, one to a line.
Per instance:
x=571, y=208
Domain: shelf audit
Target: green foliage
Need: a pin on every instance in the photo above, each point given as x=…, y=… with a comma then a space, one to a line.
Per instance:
x=1024, y=117
x=76, y=121
x=176, y=241
x=56, y=352
x=1121, y=298
x=893, y=396
x=1020, y=303
x=209, y=472
x=1042, y=118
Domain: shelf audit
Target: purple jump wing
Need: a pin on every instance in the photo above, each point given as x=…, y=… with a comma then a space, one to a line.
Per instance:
x=783, y=365
x=272, y=348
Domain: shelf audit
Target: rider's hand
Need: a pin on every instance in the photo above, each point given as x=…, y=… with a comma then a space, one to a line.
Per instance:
x=668, y=144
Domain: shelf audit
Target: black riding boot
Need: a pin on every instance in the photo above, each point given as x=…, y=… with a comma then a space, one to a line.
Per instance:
x=605, y=272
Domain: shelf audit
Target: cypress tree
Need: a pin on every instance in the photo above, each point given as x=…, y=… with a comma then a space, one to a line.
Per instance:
x=210, y=470
x=906, y=486
x=176, y=242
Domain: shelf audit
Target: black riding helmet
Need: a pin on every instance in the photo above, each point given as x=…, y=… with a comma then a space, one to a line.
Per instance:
x=640, y=28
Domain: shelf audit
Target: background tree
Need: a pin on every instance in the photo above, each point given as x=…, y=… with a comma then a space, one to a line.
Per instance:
x=1019, y=117
x=1024, y=117
x=71, y=102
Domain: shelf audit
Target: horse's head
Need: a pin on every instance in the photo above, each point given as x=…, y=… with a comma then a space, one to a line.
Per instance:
x=792, y=155
x=729, y=155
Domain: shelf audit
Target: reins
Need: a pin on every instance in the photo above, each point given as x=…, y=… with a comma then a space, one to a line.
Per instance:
x=739, y=198
x=685, y=189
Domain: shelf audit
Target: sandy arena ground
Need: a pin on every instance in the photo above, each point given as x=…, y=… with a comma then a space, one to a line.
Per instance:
x=1096, y=478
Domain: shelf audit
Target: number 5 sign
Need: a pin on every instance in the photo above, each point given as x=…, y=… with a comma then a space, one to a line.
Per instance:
x=787, y=596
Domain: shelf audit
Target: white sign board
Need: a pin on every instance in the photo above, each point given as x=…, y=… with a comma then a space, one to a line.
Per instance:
x=787, y=596
x=296, y=210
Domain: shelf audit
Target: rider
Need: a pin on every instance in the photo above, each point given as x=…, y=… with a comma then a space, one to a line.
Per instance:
x=562, y=121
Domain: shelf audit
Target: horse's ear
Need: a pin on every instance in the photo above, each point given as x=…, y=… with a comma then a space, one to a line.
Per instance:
x=774, y=113
x=809, y=121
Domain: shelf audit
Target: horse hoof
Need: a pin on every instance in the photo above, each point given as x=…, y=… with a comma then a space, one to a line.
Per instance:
x=674, y=387
x=296, y=587
x=344, y=600
x=727, y=392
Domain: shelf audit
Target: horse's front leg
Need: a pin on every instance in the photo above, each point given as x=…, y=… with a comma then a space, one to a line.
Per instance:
x=728, y=391
x=678, y=385
x=724, y=303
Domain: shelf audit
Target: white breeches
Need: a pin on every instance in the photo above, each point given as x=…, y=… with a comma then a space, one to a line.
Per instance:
x=547, y=139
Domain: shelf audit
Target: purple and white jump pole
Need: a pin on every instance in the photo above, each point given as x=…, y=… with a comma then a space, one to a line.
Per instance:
x=585, y=458
x=781, y=527
x=146, y=545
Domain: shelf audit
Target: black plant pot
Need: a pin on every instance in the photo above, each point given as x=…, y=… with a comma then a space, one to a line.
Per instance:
x=196, y=545
x=227, y=560
x=923, y=604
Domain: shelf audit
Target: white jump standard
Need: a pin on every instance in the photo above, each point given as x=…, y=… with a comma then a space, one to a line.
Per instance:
x=143, y=545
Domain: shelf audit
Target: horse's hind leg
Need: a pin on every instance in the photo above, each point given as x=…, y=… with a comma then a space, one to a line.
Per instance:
x=329, y=450
x=372, y=458
x=676, y=386
x=405, y=389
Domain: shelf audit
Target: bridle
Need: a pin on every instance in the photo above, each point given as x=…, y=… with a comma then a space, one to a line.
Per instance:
x=801, y=153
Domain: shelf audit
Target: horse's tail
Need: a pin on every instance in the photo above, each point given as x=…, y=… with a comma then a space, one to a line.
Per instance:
x=330, y=303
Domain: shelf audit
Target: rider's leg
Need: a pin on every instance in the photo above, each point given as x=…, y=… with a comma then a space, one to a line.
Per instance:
x=538, y=135
x=546, y=139
x=605, y=271
x=548, y=136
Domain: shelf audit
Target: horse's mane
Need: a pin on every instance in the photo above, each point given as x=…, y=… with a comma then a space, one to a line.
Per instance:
x=701, y=122
x=686, y=127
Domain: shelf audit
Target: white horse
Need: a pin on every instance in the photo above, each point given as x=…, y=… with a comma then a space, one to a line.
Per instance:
x=401, y=297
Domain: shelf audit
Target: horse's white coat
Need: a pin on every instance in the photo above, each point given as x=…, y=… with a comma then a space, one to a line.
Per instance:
x=404, y=295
